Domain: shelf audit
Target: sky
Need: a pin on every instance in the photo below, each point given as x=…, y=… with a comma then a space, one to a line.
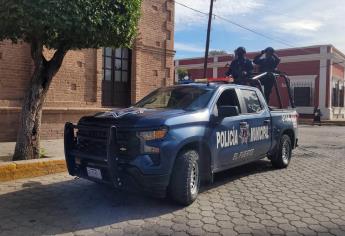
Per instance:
x=289, y=23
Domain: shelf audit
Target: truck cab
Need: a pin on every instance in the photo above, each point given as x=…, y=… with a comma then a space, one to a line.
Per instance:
x=179, y=136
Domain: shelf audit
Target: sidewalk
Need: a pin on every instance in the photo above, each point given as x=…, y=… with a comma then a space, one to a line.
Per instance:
x=52, y=148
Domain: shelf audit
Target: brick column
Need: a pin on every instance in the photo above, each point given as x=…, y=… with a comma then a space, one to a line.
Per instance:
x=99, y=76
x=153, y=52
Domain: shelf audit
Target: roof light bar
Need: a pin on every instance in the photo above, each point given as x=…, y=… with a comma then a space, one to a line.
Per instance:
x=214, y=80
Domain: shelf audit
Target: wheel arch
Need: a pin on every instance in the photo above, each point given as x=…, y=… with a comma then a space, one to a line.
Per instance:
x=205, y=156
x=291, y=134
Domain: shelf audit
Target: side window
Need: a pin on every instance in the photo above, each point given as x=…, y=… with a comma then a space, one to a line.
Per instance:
x=227, y=98
x=251, y=101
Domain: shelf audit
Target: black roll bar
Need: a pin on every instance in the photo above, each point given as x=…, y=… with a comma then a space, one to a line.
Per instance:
x=275, y=75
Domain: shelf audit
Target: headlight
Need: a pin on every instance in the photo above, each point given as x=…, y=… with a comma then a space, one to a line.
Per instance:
x=153, y=135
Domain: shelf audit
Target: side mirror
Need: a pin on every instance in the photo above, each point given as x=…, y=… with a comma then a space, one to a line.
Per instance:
x=227, y=111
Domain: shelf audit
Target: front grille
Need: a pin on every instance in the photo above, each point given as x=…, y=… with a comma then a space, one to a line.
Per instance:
x=93, y=133
x=93, y=142
x=92, y=147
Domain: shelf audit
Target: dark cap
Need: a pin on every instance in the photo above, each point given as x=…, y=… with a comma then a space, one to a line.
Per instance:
x=269, y=50
x=240, y=51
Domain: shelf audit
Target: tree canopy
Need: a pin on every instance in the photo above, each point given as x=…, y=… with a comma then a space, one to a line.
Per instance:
x=182, y=72
x=217, y=52
x=70, y=24
x=62, y=25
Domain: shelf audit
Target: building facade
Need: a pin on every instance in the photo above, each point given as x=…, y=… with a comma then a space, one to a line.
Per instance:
x=91, y=80
x=316, y=73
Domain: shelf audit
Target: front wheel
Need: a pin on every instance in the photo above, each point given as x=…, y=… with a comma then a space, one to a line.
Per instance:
x=185, y=178
x=282, y=157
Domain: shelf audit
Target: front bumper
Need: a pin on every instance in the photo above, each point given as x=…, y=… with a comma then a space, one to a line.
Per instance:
x=113, y=171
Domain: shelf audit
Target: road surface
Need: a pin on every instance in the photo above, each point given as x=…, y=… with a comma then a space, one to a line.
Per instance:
x=308, y=198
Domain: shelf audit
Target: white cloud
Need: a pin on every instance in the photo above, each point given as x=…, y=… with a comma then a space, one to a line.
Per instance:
x=188, y=47
x=183, y=48
x=185, y=18
x=308, y=23
x=302, y=25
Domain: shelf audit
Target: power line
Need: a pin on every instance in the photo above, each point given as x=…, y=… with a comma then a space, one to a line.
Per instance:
x=271, y=38
x=236, y=24
x=193, y=9
x=250, y=30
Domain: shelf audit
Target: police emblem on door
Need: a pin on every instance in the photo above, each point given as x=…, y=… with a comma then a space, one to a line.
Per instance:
x=244, y=134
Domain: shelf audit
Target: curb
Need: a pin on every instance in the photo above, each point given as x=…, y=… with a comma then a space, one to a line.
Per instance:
x=325, y=123
x=31, y=168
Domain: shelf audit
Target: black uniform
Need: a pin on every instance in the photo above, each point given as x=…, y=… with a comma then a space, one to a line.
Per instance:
x=268, y=64
x=240, y=69
x=317, y=116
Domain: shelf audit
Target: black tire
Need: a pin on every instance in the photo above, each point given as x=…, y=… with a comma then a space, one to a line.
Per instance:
x=282, y=157
x=185, y=178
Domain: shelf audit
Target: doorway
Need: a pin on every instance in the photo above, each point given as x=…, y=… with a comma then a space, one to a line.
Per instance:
x=116, y=85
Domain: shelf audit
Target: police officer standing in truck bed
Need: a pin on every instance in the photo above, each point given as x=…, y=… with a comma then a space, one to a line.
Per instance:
x=241, y=67
x=267, y=64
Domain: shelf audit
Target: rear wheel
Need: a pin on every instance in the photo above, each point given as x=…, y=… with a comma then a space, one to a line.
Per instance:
x=185, y=178
x=282, y=157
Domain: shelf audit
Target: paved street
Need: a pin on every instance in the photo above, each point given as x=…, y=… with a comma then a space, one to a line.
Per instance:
x=308, y=198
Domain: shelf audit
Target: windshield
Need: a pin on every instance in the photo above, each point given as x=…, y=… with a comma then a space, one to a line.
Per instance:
x=181, y=97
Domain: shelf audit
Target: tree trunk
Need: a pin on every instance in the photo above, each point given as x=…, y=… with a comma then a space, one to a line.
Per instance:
x=28, y=137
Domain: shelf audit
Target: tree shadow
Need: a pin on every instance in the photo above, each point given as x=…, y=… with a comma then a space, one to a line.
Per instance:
x=78, y=204
x=68, y=206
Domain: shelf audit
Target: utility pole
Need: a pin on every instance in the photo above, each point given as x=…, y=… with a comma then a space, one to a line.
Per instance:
x=208, y=38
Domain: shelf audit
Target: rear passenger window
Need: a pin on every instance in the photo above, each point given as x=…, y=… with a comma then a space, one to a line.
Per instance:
x=251, y=101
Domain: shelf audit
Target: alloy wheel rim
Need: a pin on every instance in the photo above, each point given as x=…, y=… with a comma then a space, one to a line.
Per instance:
x=194, y=180
x=286, y=152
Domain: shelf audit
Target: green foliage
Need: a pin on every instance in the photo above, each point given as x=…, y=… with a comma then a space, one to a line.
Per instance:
x=217, y=52
x=43, y=153
x=70, y=24
x=182, y=72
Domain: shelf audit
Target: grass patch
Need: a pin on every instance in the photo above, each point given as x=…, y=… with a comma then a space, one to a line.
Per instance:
x=43, y=153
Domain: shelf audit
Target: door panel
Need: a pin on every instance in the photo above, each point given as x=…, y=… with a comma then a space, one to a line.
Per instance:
x=259, y=123
x=107, y=93
x=259, y=141
x=229, y=148
x=120, y=94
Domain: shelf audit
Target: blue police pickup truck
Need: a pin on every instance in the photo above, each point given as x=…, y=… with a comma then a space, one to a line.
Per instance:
x=179, y=136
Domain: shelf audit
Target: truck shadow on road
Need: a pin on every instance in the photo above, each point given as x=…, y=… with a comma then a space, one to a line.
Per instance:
x=230, y=175
x=72, y=205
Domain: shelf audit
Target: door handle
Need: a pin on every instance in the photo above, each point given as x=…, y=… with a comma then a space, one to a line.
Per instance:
x=267, y=122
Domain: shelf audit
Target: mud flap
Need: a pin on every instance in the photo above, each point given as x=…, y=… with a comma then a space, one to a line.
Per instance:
x=69, y=142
